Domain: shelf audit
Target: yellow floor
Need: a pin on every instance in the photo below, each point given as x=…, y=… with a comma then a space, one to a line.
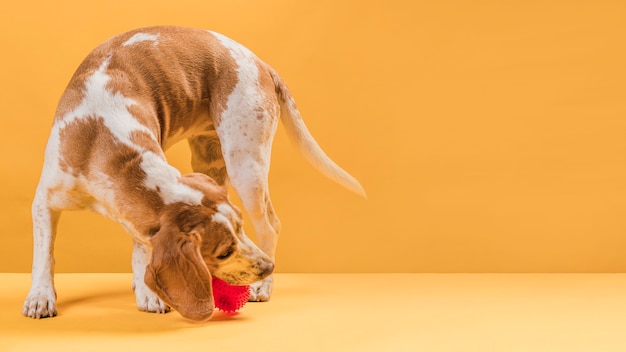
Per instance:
x=338, y=312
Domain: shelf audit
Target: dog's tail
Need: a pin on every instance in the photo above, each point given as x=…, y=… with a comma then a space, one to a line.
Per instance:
x=300, y=135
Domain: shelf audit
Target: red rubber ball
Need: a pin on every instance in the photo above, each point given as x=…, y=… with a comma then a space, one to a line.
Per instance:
x=229, y=298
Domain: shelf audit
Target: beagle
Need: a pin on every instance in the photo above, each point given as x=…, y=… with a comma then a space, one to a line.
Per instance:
x=133, y=97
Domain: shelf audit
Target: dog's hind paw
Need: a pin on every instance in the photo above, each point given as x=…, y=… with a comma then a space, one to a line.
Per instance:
x=262, y=290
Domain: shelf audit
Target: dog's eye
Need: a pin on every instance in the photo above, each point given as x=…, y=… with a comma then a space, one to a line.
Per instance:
x=226, y=254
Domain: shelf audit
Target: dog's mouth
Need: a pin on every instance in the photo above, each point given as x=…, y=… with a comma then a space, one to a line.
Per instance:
x=245, y=277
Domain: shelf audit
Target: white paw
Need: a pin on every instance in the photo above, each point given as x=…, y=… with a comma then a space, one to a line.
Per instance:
x=147, y=301
x=262, y=290
x=40, y=304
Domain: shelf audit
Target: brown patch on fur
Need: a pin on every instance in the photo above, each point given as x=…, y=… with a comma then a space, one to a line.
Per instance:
x=139, y=204
x=145, y=114
x=266, y=81
x=70, y=99
x=147, y=141
x=79, y=142
x=223, y=80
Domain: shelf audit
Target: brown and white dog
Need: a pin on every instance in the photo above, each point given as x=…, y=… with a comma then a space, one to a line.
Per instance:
x=133, y=97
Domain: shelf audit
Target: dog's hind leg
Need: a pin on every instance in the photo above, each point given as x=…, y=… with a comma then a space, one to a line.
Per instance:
x=206, y=158
x=249, y=168
x=246, y=133
x=249, y=178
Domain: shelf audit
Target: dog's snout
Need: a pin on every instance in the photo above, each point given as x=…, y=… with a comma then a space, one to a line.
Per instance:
x=269, y=269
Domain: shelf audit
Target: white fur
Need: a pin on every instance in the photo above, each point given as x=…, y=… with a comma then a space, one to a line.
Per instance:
x=142, y=37
x=165, y=178
x=227, y=211
x=222, y=219
x=101, y=102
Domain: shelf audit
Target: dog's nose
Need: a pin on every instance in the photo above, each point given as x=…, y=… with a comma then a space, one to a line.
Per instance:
x=265, y=273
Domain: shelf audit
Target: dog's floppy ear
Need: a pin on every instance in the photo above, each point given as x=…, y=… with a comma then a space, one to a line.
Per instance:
x=178, y=275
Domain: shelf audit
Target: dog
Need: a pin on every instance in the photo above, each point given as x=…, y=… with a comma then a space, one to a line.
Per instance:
x=133, y=97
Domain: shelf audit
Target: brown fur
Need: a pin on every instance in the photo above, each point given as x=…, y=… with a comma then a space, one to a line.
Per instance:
x=177, y=272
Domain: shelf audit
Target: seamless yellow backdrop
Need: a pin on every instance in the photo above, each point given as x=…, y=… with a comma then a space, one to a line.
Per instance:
x=489, y=135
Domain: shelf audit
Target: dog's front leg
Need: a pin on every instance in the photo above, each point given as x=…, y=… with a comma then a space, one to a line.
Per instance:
x=147, y=300
x=41, y=299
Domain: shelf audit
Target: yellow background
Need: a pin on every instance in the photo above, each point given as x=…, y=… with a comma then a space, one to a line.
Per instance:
x=489, y=135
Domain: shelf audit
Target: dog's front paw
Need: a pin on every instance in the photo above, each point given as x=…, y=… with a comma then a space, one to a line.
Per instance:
x=147, y=301
x=40, y=304
x=262, y=290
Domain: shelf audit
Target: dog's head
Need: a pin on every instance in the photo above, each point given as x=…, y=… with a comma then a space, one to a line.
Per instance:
x=197, y=241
